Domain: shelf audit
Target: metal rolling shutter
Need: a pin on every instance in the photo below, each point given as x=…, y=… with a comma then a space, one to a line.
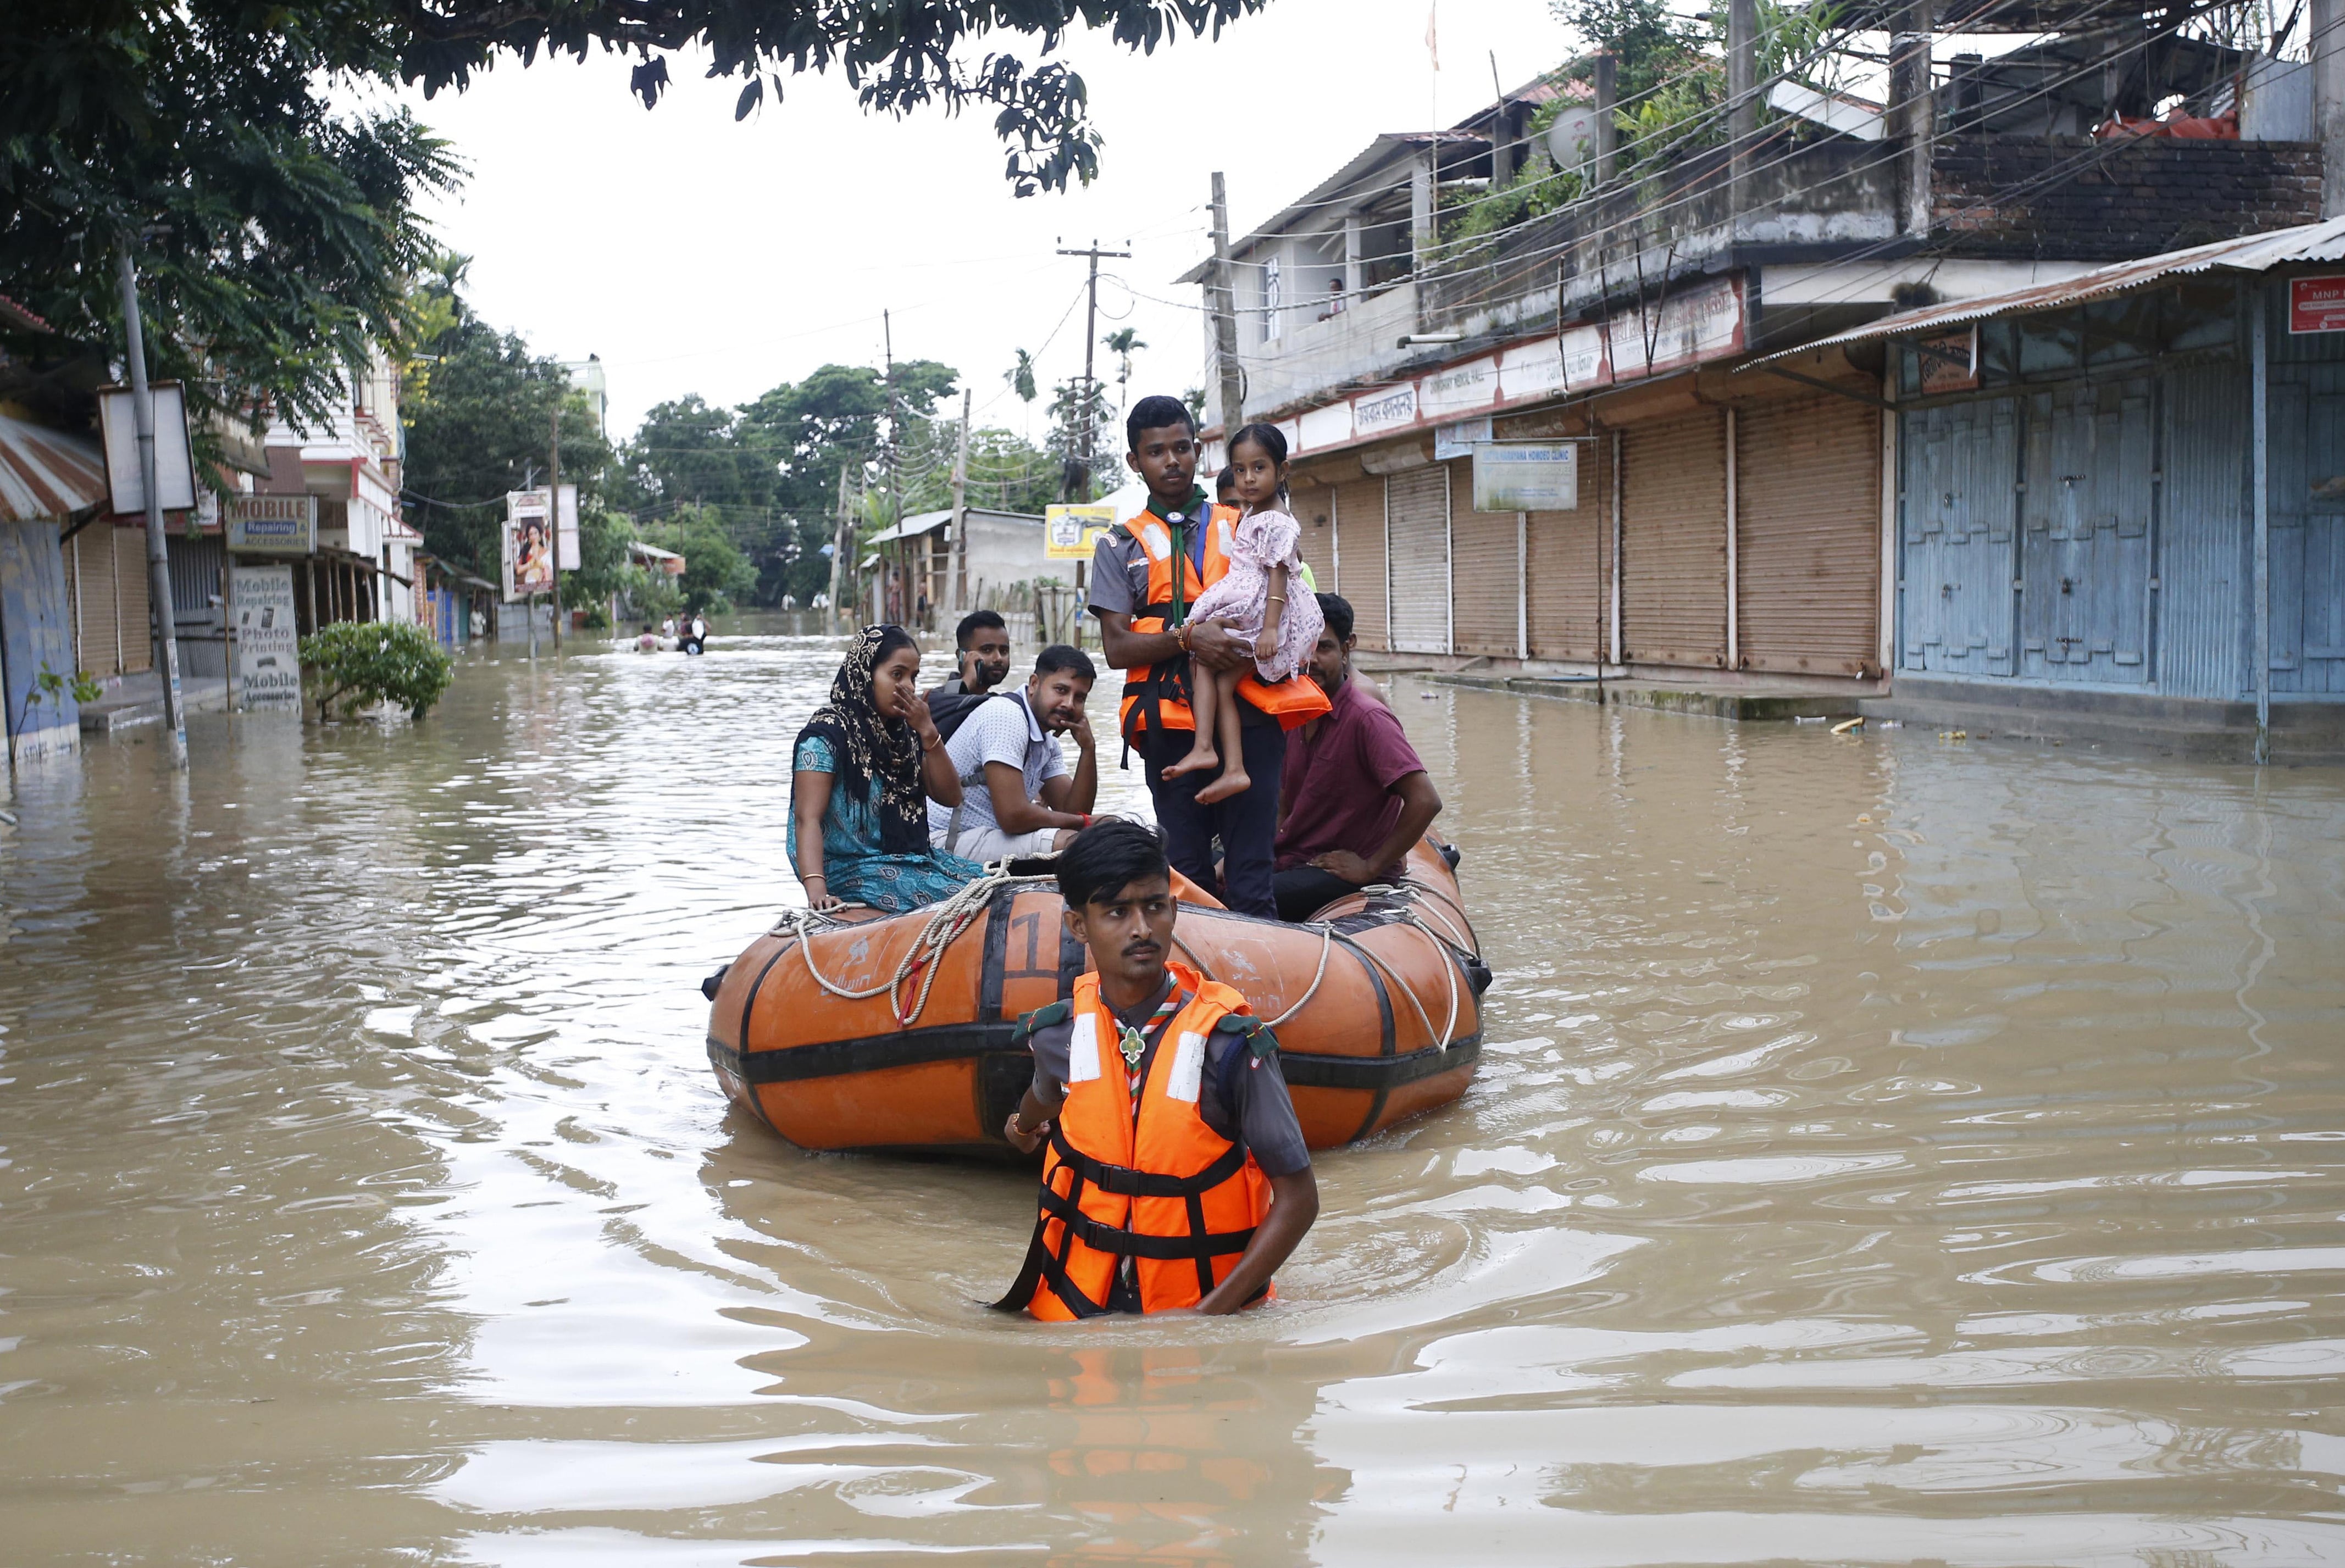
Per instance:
x=1485, y=572
x=1570, y=565
x=134, y=632
x=1809, y=547
x=1360, y=557
x=1673, y=542
x=90, y=563
x=1314, y=509
x=1416, y=525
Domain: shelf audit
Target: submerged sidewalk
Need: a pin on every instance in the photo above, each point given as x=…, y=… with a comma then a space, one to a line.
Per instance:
x=139, y=700
x=1745, y=700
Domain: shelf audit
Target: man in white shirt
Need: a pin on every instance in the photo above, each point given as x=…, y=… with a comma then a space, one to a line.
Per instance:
x=1017, y=796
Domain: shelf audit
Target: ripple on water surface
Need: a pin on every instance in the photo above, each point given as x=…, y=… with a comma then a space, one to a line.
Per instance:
x=1884, y=1150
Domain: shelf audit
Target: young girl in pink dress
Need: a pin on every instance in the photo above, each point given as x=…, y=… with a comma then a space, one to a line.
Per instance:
x=1253, y=600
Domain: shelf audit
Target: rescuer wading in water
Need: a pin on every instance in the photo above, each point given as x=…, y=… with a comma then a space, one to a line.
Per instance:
x=1176, y=1176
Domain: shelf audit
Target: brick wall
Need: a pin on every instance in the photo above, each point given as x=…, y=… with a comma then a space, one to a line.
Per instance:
x=2006, y=197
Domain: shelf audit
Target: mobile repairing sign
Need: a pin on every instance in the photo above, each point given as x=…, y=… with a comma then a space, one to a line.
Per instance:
x=1527, y=475
x=268, y=659
x=1069, y=532
x=272, y=525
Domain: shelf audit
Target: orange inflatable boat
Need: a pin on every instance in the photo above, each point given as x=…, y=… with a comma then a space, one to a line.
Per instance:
x=895, y=1032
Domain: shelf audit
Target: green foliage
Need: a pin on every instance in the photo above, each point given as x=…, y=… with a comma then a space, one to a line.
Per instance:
x=1021, y=377
x=715, y=573
x=1648, y=40
x=52, y=687
x=479, y=417
x=273, y=234
x=361, y=662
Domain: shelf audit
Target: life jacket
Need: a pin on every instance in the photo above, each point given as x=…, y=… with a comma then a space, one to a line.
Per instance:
x=1156, y=697
x=1161, y=1187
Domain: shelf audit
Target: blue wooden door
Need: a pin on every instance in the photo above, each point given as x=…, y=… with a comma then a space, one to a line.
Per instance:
x=1960, y=465
x=2084, y=542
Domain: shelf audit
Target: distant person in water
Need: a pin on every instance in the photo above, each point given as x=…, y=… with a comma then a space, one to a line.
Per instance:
x=864, y=770
x=1177, y=1178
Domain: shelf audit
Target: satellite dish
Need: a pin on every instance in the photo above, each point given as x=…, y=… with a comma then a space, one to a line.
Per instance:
x=1572, y=137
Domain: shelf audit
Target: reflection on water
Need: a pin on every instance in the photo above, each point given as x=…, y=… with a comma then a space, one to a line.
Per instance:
x=1885, y=1150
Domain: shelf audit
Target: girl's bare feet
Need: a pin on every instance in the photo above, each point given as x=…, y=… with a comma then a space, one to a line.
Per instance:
x=1200, y=759
x=1233, y=780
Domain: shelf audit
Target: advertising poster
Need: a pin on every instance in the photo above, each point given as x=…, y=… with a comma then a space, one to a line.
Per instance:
x=1069, y=532
x=268, y=660
x=528, y=544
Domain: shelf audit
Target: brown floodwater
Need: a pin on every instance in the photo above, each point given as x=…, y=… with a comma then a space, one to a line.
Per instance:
x=1885, y=1148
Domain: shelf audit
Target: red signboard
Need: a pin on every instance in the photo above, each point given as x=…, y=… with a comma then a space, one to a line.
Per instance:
x=2316, y=304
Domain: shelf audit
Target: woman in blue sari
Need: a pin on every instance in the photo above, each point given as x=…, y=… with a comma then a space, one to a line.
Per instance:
x=858, y=809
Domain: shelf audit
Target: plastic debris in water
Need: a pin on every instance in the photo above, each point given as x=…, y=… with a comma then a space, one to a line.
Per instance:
x=1847, y=725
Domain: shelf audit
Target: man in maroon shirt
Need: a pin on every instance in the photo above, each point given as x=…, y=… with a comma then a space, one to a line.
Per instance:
x=1353, y=796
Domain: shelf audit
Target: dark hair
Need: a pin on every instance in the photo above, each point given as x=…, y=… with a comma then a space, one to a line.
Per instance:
x=1059, y=656
x=891, y=637
x=1337, y=613
x=1155, y=414
x=1227, y=480
x=1108, y=857
x=975, y=621
x=1269, y=438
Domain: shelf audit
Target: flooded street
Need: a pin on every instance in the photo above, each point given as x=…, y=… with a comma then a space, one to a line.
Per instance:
x=1884, y=1149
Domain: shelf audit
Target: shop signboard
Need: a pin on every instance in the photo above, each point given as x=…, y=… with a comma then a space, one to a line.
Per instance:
x=1070, y=532
x=272, y=525
x=174, y=464
x=268, y=659
x=2316, y=304
x=1527, y=475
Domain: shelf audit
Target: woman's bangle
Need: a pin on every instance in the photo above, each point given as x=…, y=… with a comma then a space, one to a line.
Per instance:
x=1275, y=599
x=815, y=877
x=931, y=744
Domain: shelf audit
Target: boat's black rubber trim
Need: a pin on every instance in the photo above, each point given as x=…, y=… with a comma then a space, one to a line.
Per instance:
x=997, y=952
x=748, y=1004
x=1380, y=1074
x=834, y=1059
x=1387, y=1043
x=953, y=1042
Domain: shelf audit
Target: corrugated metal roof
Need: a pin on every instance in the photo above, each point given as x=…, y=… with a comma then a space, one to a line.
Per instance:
x=2322, y=241
x=48, y=473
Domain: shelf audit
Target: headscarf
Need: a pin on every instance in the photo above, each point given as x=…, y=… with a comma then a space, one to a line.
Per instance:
x=868, y=747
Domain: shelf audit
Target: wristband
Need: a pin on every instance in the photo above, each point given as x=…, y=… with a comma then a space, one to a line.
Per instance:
x=1087, y=818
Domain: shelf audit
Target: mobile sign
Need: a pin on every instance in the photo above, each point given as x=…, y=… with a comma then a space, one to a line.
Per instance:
x=2316, y=304
x=267, y=666
x=272, y=524
x=1070, y=532
x=1527, y=475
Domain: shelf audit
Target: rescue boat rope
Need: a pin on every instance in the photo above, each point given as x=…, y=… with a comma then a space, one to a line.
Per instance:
x=1326, y=945
x=948, y=920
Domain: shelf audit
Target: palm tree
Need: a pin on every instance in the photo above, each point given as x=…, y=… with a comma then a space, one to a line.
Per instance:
x=1021, y=376
x=1121, y=343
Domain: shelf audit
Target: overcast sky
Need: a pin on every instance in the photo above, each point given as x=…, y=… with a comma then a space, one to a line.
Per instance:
x=696, y=255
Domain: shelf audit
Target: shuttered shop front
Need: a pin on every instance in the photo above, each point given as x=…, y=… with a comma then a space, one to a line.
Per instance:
x=1808, y=535
x=1570, y=564
x=1360, y=557
x=1673, y=542
x=1486, y=574
x=1416, y=531
x=1314, y=513
x=106, y=592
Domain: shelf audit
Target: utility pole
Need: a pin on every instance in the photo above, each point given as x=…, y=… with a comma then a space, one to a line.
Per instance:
x=1225, y=307
x=840, y=543
x=888, y=346
x=1742, y=97
x=553, y=516
x=961, y=514
x=1091, y=345
x=158, y=557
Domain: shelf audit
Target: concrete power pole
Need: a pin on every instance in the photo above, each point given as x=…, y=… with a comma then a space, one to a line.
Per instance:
x=1742, y=95
x=553, y=516
x=842, y=540
x=2327, y=55
x=961, y=514
x=1607, y=133
x=1909, y=97
x=1225, y=307
x=1091, y=344
x=158, y=557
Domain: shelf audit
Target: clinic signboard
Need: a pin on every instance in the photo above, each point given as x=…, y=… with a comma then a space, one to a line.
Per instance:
x=1527, y=475
x=272, y=525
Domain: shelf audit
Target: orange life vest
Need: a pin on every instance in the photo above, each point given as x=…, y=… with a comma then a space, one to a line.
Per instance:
x=1161, y=1187
x=1156, y=697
